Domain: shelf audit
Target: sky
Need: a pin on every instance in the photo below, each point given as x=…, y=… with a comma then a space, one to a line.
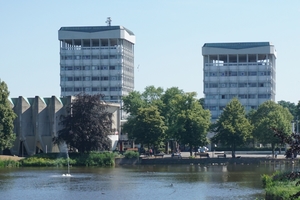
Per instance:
x=169, y=39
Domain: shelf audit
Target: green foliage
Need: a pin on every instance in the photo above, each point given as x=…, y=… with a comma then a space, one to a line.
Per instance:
x=147, y=127
x=157, y=116
x=270, y=115
x=290, y=106
x=100, y=159
x=278, y=186
x=86, y=125
x=131, y=154
x=9, y=163
x=7, y=116
x=232, y=128
x=192, y=121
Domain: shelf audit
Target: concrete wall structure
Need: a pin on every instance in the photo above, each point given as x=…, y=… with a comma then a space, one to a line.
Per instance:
x=246, y=70
x=38, y=121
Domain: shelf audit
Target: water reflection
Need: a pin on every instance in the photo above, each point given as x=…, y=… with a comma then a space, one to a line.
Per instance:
x=138, y=182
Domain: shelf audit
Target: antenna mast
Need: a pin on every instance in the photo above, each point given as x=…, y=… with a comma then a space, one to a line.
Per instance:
x=108, y=21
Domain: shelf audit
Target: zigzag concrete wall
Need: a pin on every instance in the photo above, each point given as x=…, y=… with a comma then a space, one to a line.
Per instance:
x=38, y=120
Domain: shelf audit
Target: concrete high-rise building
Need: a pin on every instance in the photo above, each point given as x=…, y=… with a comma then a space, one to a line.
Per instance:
x=246, y=70
x=97, y=59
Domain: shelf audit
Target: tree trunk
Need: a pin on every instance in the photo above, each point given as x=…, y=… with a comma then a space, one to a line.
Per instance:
x=273, y=149
x=233, y=151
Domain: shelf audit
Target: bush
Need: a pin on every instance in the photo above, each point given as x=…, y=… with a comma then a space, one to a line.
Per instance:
x=9, y=163
x=75, y=159
x=131, y=154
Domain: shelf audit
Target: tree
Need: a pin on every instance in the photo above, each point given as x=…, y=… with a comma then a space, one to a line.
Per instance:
x=192, y=121
x=232, y=128
x=271, y=115
x=86, y=125
x=146, y=127
x=7, y=116
x=290, y=106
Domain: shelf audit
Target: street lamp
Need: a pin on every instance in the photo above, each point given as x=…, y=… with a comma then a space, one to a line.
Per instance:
x=214, y=149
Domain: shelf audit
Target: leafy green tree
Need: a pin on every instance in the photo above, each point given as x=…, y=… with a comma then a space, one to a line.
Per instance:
x=290, y=106
x=146, y=127
x=202, y=102
x=86, y=125
x=192, y=121
x=268, y=116
x=7, y=116
x=170, y=110
x=232, y=128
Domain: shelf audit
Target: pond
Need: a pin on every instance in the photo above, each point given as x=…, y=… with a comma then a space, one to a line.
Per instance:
x=137, y=182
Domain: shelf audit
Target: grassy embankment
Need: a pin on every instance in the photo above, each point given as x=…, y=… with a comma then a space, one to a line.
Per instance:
x=279, y=187
x=100, y=159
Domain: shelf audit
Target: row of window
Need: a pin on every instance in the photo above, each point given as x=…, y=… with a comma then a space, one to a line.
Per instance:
x=214, y=108
x=240, y=96
x=95, y=67
x=89, y=89
x=88, y=57
x=236, y=85
x=90, y=78
x=240, y=73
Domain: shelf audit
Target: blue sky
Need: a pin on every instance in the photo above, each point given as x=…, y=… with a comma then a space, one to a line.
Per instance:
x=169, y=38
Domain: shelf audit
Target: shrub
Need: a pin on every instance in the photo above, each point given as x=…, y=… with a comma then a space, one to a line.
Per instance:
x=131, y=154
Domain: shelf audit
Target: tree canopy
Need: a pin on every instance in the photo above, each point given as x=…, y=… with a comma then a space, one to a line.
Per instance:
x=179, y=116
x=7, y=116
x=146, y=127
x=191, y=121
x=271, y=115
x=86, y=125
x=232, y=128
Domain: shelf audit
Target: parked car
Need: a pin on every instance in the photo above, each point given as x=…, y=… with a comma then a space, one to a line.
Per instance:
x=203, y=149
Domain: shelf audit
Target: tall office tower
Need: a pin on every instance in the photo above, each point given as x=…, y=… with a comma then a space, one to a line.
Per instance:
x=97, y=59
x=245, y=70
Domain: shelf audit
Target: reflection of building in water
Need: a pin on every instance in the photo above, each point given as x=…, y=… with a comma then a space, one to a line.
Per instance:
x=38, y=122
x=245, y=70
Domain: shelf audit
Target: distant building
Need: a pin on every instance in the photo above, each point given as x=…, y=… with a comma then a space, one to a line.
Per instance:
x=97, y=59
x=246, y=70
x=38, y=122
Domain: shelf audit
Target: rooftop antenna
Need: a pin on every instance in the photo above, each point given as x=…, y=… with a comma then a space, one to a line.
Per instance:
x=108, y=21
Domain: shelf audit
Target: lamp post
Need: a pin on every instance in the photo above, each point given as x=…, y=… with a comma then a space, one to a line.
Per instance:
x=214, y=149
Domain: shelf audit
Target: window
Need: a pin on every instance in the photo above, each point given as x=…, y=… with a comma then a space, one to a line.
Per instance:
x=252, y=73
x=95, y=78
x=233, y=85
x=112, y=67
x=69, y=68
x=212, y=74
x=95, y=67
x=77, y=57
x=232, y=73
x=251, y=96
x=104, y=67
x=213, y=85
x=69, y=78
x=252, y=84
x=242, y=73
x=104, y=56
x=87, y=78
x=242, y=96
x=95, y=56
x=77, y=67
x=104, y=78
x=78, y=89
x=86, y=57
x=68, y=89
x=113, y=78
x=95, y=89
x=77, y=78
x=86, y=68
x=241, y=85
x=104, y=89
x=223, y=85
x=112, y=56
